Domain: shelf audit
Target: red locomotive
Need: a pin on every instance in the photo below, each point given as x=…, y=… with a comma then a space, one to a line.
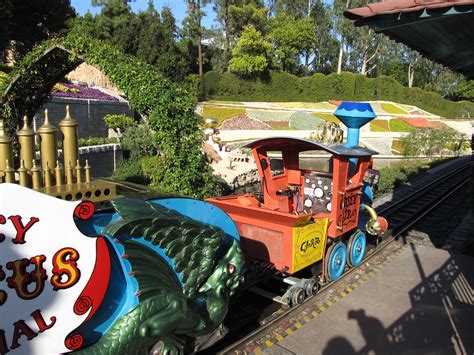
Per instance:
x=308, y=216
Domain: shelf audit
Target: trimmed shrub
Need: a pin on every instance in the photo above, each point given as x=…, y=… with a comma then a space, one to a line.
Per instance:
x=284, y=87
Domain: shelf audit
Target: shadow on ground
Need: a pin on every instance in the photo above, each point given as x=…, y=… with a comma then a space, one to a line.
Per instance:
x=441, y=320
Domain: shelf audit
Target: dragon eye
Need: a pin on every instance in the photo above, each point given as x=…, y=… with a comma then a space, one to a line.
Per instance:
x=231, y=268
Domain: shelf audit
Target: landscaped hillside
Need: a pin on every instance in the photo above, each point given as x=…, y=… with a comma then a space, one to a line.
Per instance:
x=284, y=87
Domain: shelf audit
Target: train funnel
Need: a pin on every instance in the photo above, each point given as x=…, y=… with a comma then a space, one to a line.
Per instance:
x=354, y=115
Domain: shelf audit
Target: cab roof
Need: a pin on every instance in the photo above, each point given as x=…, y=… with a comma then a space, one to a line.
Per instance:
x=302, y=144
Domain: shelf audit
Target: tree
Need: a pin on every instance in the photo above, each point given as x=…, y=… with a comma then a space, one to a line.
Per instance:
x=25, y=23
x=325, y=51
x=251, y=54
x=292, y=39
x=196, y=13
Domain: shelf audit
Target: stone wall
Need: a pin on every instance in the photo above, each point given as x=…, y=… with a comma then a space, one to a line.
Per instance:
x=88, y=113
x=88, y=74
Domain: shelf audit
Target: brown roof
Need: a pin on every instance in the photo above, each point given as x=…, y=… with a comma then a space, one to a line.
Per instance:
x=400, y=6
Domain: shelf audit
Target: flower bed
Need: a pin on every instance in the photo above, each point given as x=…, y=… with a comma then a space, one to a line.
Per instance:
x=74, y=91
x=243, y=122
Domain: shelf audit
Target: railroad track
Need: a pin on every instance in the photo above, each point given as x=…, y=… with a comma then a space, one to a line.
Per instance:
x=401, y=214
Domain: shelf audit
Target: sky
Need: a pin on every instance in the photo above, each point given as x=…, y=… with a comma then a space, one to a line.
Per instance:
x=178, y=8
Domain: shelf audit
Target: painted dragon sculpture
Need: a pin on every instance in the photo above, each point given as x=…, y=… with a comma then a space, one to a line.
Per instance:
x=185, y=271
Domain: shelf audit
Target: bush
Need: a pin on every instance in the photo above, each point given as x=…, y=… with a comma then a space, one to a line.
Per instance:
x=284, y=87
x=393, y=177
x=119, y=122
x=86, y=142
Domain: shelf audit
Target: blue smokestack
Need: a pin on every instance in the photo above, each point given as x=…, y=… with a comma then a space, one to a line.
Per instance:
x=354, y=115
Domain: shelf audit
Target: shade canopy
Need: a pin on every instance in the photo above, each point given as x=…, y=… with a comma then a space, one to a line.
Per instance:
x=442, y=31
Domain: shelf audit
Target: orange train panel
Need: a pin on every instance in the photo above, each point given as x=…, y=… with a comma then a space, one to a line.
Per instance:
x=288, y=241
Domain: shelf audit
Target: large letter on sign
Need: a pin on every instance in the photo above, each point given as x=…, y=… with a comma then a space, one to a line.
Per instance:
x=21, y=278
x=64, y=263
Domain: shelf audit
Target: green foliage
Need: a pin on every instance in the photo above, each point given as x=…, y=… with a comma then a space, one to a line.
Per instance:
x=427, y=141
x=168, y=108
x=148, y=35
x=119, y=122
x=23, y=24
x=284, y=87
x=393, y=177
x=398, y=125
x=379, y=126
x=251, y=54
x=291, y=39
x=392, y=109
x=86, y=142
x=222, y=113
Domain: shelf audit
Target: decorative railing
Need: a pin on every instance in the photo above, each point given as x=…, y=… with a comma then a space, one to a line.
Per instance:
x=69, y=180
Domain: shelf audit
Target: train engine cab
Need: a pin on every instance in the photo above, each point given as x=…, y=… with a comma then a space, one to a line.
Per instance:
x=303, y=215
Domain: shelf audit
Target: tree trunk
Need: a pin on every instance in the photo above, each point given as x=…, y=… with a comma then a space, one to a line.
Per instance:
x=341, y=47
x=199, y=38
x=363, y=69
x=411, y=74
x=341, y=53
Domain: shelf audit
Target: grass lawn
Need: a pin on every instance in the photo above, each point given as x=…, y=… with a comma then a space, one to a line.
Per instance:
x=379, y=126
x=397, y=125
x=393, y=109
x=223, y=102
x=327, y=117
x=397, y=147
x=222, y=113
x=316, y=105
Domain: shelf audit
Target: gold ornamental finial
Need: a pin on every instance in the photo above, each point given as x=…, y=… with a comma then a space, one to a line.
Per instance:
x=9, y=173
x=23, y=174
x=68, y=127
x=48, y=146
x=58, y=174
x=87, y=169
x=69, y=174
x=26, y=139
x=35, y=172
x=6, y=151
x=48, y=179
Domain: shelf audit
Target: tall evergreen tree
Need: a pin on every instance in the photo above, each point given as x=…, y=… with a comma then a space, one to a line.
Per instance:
x=25, y=23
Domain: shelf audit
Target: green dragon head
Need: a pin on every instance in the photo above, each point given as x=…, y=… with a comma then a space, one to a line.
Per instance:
x=223, y=282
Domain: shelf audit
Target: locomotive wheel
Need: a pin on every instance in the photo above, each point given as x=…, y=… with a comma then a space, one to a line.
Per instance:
x=335, y=261
x=356, y=248
x=297, y=296
x=311, y=287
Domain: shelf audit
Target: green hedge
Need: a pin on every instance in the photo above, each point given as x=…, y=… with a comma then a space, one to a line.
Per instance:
x=280, y=86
